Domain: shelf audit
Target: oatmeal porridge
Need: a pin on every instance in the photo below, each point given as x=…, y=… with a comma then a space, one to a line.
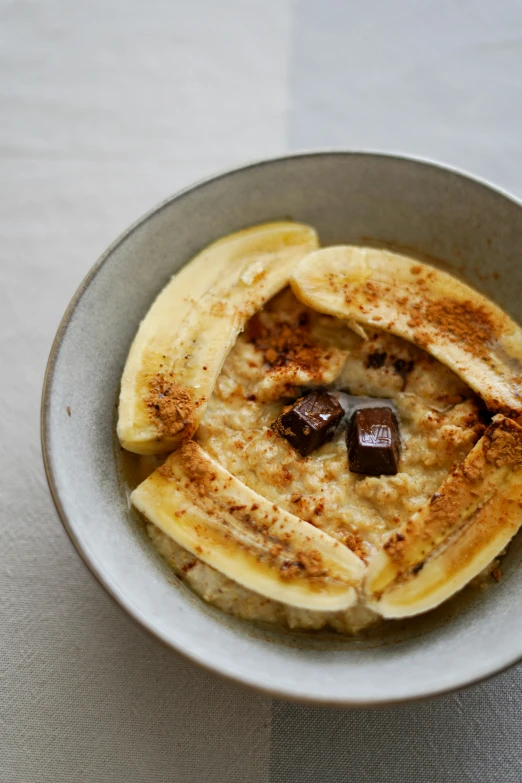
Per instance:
x=339, y=452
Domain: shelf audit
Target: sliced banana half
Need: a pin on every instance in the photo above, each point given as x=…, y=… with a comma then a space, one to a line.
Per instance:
x=215, y=516
x=181, y=344
x=442, y=315
x=463, y=527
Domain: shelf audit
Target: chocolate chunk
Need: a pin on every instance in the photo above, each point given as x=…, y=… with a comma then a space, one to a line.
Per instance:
x=373, y=441
x=309, y=422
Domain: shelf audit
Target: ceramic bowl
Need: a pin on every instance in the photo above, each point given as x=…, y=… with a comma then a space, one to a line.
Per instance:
x=424, y=209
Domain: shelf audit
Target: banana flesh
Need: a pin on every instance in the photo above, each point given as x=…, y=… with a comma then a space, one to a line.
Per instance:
x=181, y=344
x=215, y=516
x=448, y=319
x=463, y=527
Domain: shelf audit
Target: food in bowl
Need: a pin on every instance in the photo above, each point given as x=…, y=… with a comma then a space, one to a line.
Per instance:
x=334, y=431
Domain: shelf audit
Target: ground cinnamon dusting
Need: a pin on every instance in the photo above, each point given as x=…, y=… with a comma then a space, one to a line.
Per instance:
x=165, y=470
x=172, y=406
x=466, y=323
x=196, y=467
x=308, y=564
x=312, y=562
x=503, y=443
x=285, y=344
x=285, y=432
x=290, y=569
x=354, y=542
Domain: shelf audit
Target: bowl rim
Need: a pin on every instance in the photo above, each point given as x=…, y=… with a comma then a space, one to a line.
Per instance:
x=119, y=598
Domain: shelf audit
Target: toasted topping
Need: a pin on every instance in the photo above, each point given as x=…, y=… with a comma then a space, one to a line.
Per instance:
x=373, y=441
x=309, y=422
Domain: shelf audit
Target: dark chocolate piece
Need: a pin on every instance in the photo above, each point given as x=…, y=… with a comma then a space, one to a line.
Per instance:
x=373, y=441
x=309, y=422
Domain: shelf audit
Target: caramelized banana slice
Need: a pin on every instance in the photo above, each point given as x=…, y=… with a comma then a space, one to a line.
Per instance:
x=241, y=534
x=467, y=523
x=442, y=315
x=185, y=337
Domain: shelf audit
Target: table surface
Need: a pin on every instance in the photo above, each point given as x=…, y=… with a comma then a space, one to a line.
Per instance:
x=107, y=108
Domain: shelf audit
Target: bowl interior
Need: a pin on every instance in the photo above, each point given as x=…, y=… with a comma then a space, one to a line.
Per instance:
x=424, y=210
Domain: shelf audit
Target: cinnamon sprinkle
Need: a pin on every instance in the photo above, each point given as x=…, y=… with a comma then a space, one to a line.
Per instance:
x=503, y=443
x=465, y=323
x=312, y=563
x=285, y=344
x=195, y=466
x=354, y=542
x=172, y=406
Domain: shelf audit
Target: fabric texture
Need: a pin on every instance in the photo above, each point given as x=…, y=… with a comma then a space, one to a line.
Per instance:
x=108, y=107
x=469, y=737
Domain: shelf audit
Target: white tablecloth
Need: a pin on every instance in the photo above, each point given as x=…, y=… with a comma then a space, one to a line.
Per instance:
x=108, y=107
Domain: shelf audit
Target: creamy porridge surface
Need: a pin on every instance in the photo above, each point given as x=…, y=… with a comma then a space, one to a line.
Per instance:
x=284, y=350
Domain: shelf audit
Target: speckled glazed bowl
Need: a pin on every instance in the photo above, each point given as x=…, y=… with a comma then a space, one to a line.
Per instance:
x=425, y=210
